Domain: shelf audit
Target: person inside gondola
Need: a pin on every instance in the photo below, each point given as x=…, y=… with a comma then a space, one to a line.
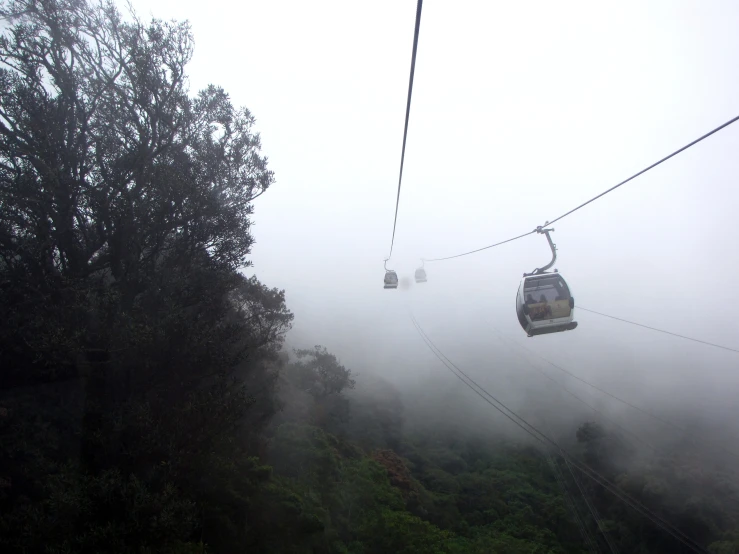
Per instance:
x=546, y=309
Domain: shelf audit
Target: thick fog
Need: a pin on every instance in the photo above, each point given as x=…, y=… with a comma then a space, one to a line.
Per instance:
x=520, y=112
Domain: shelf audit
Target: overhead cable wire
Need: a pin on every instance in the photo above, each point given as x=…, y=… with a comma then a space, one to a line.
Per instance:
x=627, y=433
x=621, y=428
x=660, y=330
x=634, y=176
x=592, y=543
x=624, y=402
x=544, y=439
x=555, y=467
x=596, y=387
x=483, y=248
x=572, y=506
x=643, y=171
x=407, y=115
x=593, y=510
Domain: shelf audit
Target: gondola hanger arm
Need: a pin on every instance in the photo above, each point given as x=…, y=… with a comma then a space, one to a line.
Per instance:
x=542, y=231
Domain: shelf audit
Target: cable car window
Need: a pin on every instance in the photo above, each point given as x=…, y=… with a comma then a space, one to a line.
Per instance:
x=548, y=294
x=547, y=298
x=540, y=286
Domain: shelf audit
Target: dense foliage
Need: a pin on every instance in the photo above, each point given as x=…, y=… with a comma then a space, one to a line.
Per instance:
x=146, y=401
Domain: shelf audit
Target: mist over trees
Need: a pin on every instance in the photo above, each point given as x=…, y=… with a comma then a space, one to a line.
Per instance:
x=133, y=349
x=147, y=400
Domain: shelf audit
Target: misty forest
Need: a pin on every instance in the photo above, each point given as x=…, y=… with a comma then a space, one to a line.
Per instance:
x=152, y=399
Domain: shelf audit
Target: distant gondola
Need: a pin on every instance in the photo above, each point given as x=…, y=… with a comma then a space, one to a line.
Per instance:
x=421, y=274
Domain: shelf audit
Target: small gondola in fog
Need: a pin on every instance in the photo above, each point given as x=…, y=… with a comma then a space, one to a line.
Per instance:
x=544, y=303
x=391, y=278
x=421, y=274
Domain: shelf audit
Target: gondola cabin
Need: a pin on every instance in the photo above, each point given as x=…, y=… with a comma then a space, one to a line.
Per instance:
x=544, y=304
x=420, y=275
x=391, y=279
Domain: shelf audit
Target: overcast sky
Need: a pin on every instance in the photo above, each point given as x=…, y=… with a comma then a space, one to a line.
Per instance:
x=521, y=111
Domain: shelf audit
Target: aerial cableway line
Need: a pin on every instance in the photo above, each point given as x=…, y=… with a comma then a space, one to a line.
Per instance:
x=661, y=330
x=614, y=187
x=545, y=440
x=407, y=115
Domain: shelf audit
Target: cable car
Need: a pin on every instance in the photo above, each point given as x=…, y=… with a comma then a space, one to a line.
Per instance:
x=544, y=303
x=391, y=278
x=421, y=273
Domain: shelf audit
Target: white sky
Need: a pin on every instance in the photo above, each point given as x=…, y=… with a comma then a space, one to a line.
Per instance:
x=521, y=110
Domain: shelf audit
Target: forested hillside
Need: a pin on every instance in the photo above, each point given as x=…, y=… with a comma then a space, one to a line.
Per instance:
x=148, y=402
